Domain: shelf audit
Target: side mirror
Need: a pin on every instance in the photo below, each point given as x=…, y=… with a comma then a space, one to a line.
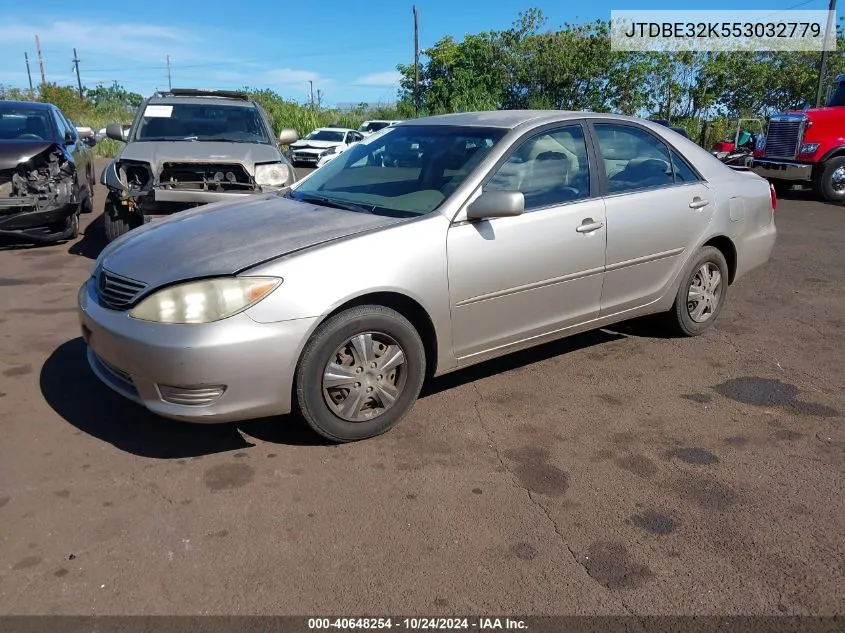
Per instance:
x=115, y=131
x=69, y=140
x=288, y=136
x=91, y=141
x=496, y=204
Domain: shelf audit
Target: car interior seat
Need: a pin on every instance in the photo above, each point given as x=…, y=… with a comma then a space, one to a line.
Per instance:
x=643, y=172
x=545, y=179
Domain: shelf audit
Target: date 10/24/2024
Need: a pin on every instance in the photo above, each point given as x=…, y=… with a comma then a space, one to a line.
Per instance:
x=417, y=624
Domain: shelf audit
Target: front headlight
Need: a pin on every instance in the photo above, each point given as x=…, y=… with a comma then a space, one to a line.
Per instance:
x=272, y=174
x=809, y=148
x=331, y=150
x=204, y=301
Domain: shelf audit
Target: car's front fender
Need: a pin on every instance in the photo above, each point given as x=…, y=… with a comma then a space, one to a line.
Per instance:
x=110, y=178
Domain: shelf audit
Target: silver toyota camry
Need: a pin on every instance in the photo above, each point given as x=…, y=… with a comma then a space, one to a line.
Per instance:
x=437, y=244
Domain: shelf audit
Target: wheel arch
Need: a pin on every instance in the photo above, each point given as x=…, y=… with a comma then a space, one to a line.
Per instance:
x=409, y=308
x=728, y=249
x=832, y=153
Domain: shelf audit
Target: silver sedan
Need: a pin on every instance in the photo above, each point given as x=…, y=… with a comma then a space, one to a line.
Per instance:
x=440, y=243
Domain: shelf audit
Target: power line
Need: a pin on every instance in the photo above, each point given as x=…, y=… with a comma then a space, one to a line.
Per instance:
x=795, y=6
x=242, y=61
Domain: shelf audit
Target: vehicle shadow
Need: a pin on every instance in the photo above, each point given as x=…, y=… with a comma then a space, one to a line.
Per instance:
x=93, y=240
x=805, y=194
x=10, y=243
x=75, y=393
x=520, y=359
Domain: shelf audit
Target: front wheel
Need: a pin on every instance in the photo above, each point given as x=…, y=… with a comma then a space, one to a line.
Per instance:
x=72, y=231
x=829, y=180
x=702, y=294
x=360, y=373
x=118, y=219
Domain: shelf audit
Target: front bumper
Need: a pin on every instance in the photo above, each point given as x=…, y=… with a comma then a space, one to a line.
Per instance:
x=201, y=197
x=306, y=157
x=27, y=218
x=231, y=370
x=782, y=170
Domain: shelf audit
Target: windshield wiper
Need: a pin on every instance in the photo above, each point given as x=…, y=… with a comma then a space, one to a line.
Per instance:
x=337, y=204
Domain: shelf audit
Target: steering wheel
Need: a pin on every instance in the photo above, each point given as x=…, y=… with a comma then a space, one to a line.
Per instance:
x=28, y=136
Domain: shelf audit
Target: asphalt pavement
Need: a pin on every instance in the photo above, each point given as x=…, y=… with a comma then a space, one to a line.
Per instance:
x=614, y=472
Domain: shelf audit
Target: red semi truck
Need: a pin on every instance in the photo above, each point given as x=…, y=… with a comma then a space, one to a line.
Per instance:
x=807, y=147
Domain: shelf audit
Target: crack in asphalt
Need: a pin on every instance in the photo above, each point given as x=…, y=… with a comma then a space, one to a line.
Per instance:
x=801, y=374
x=149, y=487
x=535, y=502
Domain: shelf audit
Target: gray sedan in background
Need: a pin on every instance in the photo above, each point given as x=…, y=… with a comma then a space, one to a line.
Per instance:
x=438, y=244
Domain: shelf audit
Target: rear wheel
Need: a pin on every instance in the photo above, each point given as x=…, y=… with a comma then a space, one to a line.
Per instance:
x=702, y=294
x=829, y=180
x=118, y=219
x=360, y=373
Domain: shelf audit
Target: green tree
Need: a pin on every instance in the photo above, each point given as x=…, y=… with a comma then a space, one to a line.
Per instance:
x=114, y=94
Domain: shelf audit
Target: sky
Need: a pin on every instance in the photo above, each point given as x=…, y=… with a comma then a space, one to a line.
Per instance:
x=349, y=50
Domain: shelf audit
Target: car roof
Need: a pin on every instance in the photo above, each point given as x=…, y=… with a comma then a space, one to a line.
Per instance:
x=509, y=119
x=334, y=129
x=216, y=100
x=38, y=105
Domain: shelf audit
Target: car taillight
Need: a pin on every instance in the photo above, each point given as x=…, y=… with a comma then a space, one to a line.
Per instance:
x=774, y=197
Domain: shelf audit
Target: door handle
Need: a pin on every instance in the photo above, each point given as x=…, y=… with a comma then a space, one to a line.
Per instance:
x=698, y=203
x=589, y=225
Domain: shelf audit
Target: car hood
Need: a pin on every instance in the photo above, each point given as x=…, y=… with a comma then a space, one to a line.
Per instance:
x=315, y=144
x=156, y=153
x=15, y=152
x=225, y=238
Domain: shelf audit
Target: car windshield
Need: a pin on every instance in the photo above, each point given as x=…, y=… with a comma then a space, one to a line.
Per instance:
x=373, y=126
x=25, y=123
x=838, y=96
x=201, y=122
x=404, y=171
x=326, y=135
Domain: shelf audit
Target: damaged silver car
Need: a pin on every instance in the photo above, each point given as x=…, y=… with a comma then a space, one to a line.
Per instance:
x=190, y=147
x=46, y=173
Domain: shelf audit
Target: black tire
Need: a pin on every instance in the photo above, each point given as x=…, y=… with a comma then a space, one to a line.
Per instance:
x=118, y=219
x=72, y=227
x=823, y=180
x=87, y=205
x=679, y=318
x=323, y=344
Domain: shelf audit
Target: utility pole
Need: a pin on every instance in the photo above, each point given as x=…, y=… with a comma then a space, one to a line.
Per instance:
x=311, y=83
x=319, y=98
x=40, y=60
x=416, y=61
x=823, y=65
x=169, y=84
x=29, y=74
x=76, y=67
